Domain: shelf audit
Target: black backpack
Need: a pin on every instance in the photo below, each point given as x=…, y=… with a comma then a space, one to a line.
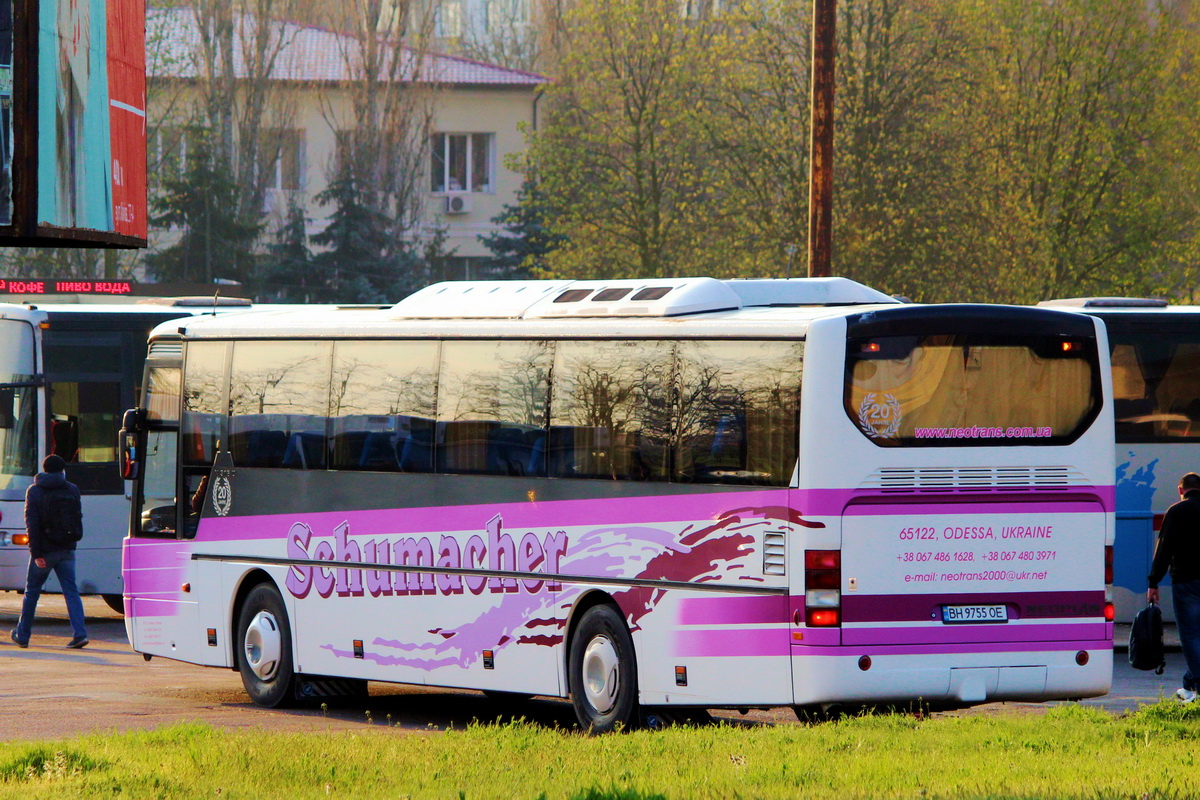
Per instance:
x=1146, y=640
x=62, y=518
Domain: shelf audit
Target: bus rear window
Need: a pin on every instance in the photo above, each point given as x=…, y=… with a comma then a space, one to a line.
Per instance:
x=961, y=390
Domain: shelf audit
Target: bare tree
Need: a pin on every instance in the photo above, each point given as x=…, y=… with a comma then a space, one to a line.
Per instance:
x=507, y=34
x=241, y=98
x=383, y=129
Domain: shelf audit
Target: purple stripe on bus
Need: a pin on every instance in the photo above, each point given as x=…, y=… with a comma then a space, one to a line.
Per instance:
x=832, y=502
x=149, y=607
x=141, y=563
x=155, y=581
x=766, y=641
x=735, y=643
x=974, y=507
x=819, y=637
x=157, y=555
x=954, y=649
x=733, y=610
x=922, y=607
x=957, y=634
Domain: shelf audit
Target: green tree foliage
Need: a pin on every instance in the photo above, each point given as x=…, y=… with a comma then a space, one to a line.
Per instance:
x=361, y=262
x=368, y=258
x=622, y=154
x=522, y=247
x=286, y=274
x=216, y=241
x=1067, y=137
x=1004, y=150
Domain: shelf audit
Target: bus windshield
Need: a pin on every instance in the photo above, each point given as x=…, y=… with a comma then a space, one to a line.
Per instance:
x=18, y=404
x=959, y=390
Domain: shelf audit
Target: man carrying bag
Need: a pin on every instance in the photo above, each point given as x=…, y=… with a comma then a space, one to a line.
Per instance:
x=54, y=522
x=1178, y=550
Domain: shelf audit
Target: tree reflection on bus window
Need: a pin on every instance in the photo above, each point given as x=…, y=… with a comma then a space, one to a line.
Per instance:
x=737, y=418
x=492, y=399
x=611, y=410
x=278, y=403
x=203, y=402
x=383, y=400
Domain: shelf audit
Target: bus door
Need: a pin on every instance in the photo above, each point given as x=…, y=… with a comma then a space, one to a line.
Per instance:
x=156, y=566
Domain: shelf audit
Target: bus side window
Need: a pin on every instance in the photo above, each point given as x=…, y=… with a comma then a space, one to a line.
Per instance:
x=492, y=398
x=382, y=401
x=610, y=413
x=738, y=402
x=279, y=404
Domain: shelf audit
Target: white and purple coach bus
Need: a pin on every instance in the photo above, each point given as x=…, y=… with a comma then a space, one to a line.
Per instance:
x=684, y=493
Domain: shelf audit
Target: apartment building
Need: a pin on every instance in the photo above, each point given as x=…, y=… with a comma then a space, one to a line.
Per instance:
x=477, y=113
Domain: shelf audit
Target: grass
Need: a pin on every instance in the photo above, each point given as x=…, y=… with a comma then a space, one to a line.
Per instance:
x=1068, y=752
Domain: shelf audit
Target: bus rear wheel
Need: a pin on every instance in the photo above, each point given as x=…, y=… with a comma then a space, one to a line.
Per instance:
x=115, y=601
x=265, y=642
x=602, y=672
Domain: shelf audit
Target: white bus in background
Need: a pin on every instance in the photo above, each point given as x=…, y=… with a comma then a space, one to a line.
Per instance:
x=680, y=493
x=1155, y=351
x=67, y=371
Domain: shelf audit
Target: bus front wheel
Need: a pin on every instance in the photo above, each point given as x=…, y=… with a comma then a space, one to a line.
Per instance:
x=265, y=641
x=602, y=672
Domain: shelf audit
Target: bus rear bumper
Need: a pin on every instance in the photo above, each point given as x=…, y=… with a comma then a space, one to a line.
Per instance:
x=958, y=678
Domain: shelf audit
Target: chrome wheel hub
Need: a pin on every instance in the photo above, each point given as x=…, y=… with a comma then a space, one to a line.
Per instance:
x=263, y=645
x=601, y=674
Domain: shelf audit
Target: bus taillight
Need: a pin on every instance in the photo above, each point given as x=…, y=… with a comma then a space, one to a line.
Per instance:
x=823, y=617
x=822, y=588
x=1110, y=612
x=1108, y=564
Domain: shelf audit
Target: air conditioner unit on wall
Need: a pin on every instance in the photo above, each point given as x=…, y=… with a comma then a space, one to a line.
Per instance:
x=458, y=204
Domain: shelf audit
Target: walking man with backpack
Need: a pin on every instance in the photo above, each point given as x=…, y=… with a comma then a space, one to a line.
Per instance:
x=54, y=522
x=1178, y=550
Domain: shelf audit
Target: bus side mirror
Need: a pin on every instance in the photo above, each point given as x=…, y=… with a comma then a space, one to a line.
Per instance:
x=133, y=424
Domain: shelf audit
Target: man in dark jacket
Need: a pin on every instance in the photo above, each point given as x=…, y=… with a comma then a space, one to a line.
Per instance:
x=46, y=556
x=1178, y=549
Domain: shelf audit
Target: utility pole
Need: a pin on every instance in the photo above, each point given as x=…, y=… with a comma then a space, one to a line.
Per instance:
x=820, y=164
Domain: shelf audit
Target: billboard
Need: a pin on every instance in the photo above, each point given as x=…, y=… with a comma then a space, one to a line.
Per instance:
x=75, y=140
x=6, y=98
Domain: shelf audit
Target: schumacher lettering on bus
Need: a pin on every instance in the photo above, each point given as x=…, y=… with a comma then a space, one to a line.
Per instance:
x=499, y=553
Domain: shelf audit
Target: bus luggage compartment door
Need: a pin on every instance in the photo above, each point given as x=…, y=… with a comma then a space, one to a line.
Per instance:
x=950, y=576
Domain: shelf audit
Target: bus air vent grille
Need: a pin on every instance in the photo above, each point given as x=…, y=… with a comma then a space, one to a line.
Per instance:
x=973, y=479
x=167, y=349
x=774, y=554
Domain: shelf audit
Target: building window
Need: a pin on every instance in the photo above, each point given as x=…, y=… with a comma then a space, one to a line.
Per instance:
x=287, y=171
x=503, y=15
x=168, y=149
x=462, y=162
x=450, y=19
